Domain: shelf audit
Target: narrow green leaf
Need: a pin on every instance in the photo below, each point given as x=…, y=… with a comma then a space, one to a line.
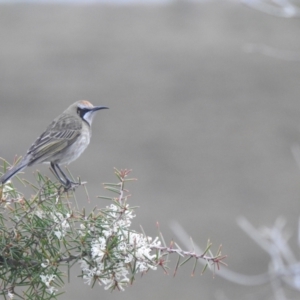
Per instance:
x=205, y=267
x=117, y=191
x=177, y=265
x=185, y=261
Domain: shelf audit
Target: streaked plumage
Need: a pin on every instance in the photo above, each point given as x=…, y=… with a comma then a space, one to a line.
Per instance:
x=62, y=142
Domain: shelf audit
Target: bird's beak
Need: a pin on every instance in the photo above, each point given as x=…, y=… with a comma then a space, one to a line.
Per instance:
x=95, y=108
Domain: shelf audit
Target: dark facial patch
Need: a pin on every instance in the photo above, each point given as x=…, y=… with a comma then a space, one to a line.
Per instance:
x=82, y=111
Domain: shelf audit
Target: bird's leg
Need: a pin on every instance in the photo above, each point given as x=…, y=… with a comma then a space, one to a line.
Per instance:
x=53, y=167
x=68, y=181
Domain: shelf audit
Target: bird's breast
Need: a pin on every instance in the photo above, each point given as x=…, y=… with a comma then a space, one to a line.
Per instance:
x=75, y=150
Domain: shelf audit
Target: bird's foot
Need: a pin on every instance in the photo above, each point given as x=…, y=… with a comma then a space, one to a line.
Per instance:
x=71, y=185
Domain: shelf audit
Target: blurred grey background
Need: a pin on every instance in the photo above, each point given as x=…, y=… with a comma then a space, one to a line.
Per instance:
x=204, y=107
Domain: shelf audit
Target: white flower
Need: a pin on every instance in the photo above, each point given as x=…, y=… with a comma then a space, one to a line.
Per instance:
x=87, y=279
x=142, y=266
x=122, y=246
x=10, y=295
x=83, y=264
x=108, y=283
x=128, y=258
x=155, y=243
x=45, y=264
x=58, y=234
x=107, y=233
x=52, y=290
x=47, y=280
x=62, y=224
x=98, y=248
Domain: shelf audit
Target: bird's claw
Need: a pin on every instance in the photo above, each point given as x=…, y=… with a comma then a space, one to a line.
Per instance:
x=71, y=185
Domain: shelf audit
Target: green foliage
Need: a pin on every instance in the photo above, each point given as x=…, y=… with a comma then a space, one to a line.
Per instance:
x=42, y=234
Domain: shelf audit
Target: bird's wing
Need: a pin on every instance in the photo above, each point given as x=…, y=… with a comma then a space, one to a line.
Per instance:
x=61, y=133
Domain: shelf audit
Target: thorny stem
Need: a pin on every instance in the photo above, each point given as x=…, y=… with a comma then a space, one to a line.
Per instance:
x=218, y=259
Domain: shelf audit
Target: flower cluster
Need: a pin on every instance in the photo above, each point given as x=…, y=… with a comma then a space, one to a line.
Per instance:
x=48, y=280
x=117, y=252
x=59, y=221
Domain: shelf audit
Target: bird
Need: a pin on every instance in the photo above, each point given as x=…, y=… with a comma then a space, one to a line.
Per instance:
x=64, y=140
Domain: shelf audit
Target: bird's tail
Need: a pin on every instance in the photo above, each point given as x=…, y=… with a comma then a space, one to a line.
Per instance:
x=13, y=171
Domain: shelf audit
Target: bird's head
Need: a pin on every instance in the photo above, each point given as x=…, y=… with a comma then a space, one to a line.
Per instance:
x=85, y=110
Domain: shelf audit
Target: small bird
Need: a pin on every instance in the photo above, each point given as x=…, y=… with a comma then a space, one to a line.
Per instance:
x=62, y=142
